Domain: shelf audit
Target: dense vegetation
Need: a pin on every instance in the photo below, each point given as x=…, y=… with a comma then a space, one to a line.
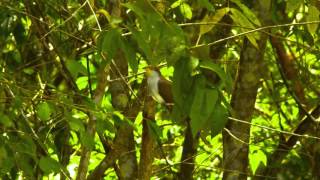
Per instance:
x=245, y=86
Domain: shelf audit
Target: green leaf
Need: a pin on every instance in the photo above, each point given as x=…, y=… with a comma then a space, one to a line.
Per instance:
x=155, y=130
x=143, y=45
x=246, y=25
x=130, y=55
x=44, y=111
x=48, y=165
x=103, y=125
x=135, y=8
x=247, y=12
x=75, y=68
x=87, y=140
x=218, y=70
x=28, y=71
x=206, y=4
x=110, y=42
x=218, y=119
x=176, y=4
x=75, y=124
x=292, y=5
x=5, y=120
x=212, y=19
x=186, y=10
x=256, y=158
x=182, y=88
x=202, y=107
x=82, y=82
x=313, y=15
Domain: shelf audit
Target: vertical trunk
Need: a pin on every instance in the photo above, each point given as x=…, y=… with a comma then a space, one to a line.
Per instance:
x=120, y=98
x=236, y=139
x=189, y=152
x=148, y=141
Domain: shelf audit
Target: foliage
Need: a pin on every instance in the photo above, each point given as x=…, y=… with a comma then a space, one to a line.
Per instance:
x=57, y=66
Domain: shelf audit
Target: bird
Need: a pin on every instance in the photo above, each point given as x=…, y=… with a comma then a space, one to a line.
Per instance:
x=158, y=86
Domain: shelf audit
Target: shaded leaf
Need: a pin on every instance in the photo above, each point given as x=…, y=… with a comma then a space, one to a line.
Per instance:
x=202, y=106
x=48, y=165
x=219, y=14
x=130, y=55
x=5, y=120
x=247, y=12
x=75, y=124
x=218, y=119
x=75, y=68
x=87, y=140
x=110, y=42
x=245, y=25
x=207, y=4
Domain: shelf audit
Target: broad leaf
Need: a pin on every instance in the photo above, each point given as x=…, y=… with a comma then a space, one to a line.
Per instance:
x=202, y=107
x=206, y=4
x=110, y=42
x=44, y=111
x=182, y=89
x=292, y=5
x=245, y=25
x=225, y=79
x=212, y=19
x=247, y=12
x=218, y=119
x=313, y=15
x=5, y=120
x=176, y=4
x=186, y=10
x=130, y=55
x=48, y=165
x=87, y=140
x=75, y=68
x=256, y=158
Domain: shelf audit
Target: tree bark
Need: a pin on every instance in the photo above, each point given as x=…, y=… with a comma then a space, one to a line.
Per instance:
x=236, y=137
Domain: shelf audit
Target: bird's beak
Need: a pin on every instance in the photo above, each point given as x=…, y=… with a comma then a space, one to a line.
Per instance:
x=148, y=71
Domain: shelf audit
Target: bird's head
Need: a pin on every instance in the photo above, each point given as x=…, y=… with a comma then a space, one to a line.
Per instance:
x=152, y=72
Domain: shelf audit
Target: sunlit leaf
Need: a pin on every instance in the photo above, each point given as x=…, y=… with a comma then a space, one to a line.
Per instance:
x=313, y=15
x=176, y=4
x=256, y=158
x=44, y=111
x=292, y=5
x=186, y=10
x=82, y=82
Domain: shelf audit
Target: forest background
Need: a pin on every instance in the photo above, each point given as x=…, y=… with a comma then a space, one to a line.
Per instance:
x=245, y=87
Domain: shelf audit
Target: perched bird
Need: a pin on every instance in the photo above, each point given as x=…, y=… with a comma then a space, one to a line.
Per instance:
x=159, y=87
